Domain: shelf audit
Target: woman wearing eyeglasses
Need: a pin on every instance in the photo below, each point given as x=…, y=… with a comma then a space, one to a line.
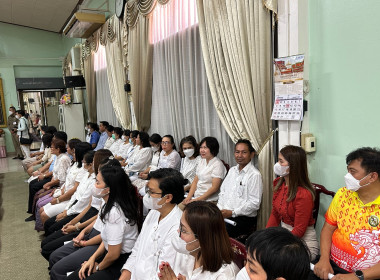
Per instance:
x=169, y=157
x=202, y=245
x=164, y=192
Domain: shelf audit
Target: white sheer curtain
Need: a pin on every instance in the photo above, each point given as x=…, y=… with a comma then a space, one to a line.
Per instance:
x=181, y=99
x=104, y=108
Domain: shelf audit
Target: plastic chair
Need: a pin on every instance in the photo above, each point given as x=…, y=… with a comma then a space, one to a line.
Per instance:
x=318, y=190
x=240, y=254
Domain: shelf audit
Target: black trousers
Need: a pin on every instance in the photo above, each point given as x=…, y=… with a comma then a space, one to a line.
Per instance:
x=244, y=226
x=335, y=267
x=112, y=272
x=34, y=187
x=57, y=239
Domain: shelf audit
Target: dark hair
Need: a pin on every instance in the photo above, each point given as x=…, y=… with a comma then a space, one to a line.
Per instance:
x=155, y=138
x=110, y=128
x=298, y=175
x=109, y=161
x=248, y=143
x=127, y=132
x=89, y=157
x=118, y=131
x=44, y=128
x=51, y=129
x=144, y=139
x=80, y=150
x=88, y=123
x=94, y=126
x=211, y=143
x=171, y=182
x=280, y=253
x=369, y=159
x=134, y=133
x=121, y=193
x=46, y=140
x=171, y=140
x=104, y=123
x=73, y=142
x=12, y=107
x=207, y=223
x=61, y=135
x=189, y=139
x=59, y=144
x=21, y=112
x=100, y=155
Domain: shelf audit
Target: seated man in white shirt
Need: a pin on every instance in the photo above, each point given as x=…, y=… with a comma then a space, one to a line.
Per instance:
x=165, y=189
x=241, y=191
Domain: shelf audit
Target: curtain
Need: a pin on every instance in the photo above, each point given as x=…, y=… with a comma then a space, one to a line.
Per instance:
x=236, y=44
x=181, y=99
x=104, y=107
x=140, y=60
x=115, y=72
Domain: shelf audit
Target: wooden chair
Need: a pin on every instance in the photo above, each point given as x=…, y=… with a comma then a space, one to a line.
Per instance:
x=318, y=190
x=240, y=254
x=226, y=165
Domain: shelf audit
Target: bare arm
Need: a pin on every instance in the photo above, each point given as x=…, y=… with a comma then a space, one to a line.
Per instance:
x=323, y=267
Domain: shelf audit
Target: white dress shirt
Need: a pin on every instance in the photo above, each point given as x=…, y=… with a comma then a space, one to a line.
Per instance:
x=109, y=143
x=140, y=160
x=184, y=264
x=155, y=160
x=173, y=160
x=243, y=274
x=189, y=168
x=205, y=173
x=115, y=146
x=83, y=194
x=241, y=191
x=116, y=230
x=123, y=149
x=153, y=245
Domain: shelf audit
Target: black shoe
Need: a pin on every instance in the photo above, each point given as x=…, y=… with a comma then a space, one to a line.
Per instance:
x=30, y=218
x=16, y=157
x=22, y=158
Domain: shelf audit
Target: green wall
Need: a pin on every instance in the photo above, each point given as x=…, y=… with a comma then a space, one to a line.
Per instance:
x=344, y=96
x=27, y=52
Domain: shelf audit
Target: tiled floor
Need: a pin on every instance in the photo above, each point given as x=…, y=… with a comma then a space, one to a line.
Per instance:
x=10, y=165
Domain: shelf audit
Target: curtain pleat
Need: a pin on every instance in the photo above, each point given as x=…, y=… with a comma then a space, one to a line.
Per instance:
x=236, y=45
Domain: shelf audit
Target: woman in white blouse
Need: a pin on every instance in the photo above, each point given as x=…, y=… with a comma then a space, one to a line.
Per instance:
x=209, y=175
x=189, y=163
x=122, y=153
x=62, y=196
x=141, y=158
x=117, y=133
x=203, y=247
x=169, y=157
x=23, y=131
x=121, y=222
x=110, y=140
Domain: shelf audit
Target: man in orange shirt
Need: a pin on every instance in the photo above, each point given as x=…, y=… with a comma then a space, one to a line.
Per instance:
x=350, y=244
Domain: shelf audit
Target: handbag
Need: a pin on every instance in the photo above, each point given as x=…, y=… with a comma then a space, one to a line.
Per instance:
x=26, y=141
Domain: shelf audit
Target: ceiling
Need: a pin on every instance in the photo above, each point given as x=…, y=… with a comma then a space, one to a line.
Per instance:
x=50, y=15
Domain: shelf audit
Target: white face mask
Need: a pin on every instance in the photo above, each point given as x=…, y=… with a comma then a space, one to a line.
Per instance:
x=180, y=245
x=10, y=112
x=353, y=184
x=280, y=170
x=188, y=153
x=123, y=137
x=98, y=192
x=154, y=149
x=152, y=202
x=17, y=117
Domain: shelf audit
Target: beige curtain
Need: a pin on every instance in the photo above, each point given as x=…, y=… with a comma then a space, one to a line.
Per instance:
x=89, y=47
x=115, y=70
x=236, y=46
x=139, y=58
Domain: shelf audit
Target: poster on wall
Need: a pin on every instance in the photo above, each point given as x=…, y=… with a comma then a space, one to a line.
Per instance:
x=288, y=86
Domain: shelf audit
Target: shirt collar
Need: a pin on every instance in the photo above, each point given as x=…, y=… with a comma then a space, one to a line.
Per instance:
x=361, y=204
x=245, y=169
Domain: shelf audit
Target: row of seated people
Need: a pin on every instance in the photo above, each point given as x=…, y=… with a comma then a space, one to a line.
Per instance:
x=292, y=201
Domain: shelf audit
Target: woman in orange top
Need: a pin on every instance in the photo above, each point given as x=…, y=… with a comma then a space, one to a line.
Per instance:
x=293, y=197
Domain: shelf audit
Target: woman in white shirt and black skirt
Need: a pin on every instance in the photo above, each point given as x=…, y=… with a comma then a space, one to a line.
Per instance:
x=121, y=223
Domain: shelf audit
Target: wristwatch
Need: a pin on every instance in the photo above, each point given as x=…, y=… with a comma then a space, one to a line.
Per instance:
x=97, y=268
x=233, y=214
x=359, y=274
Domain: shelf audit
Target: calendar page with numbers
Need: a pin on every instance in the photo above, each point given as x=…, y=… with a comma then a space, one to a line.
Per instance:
x=288, y=78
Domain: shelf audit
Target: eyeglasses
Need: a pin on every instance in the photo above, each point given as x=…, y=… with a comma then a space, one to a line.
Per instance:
x=181, y=230
x=165, y=143
x=149, y=192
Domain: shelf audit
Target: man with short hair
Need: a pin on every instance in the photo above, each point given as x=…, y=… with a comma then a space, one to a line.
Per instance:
x=350, y=236
x=103, y=135
x=12, y=126
x=241, y=191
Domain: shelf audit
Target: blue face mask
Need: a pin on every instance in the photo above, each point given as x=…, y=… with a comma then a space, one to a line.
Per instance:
x=130, y=141
x=71, y=157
